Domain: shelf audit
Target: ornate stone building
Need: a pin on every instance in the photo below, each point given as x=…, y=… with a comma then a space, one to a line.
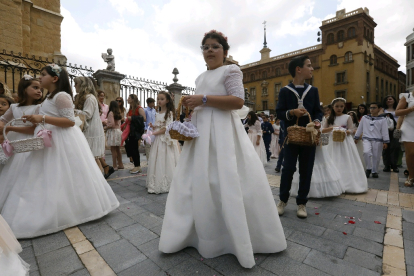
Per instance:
x=347, y=64
x=410, y=62
x=31, y=27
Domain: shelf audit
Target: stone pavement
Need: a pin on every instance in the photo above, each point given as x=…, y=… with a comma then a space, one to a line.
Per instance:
x=368, y=234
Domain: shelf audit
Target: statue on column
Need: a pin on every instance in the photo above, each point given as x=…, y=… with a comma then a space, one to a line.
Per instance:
x=110, y=59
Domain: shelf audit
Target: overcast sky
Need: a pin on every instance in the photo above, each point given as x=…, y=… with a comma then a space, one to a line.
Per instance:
x=150, y=38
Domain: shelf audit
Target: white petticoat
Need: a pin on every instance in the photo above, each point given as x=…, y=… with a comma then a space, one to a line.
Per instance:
x=113, y=137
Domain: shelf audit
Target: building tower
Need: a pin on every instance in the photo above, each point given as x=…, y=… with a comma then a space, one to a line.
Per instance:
x=410, y=62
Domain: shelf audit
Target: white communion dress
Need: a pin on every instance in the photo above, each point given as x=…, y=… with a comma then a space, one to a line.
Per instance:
x=346, y=158
x=220, y=200
x=407, y=127
x=10, y=262
x=163, y=157
x=274, y=144
x=16, y=161
x=57, y=187
x=254, y=131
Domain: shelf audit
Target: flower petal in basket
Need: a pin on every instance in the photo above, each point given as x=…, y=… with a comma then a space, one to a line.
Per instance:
x=186, y=129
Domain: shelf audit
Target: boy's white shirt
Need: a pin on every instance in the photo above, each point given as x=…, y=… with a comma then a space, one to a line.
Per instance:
x=373, y=130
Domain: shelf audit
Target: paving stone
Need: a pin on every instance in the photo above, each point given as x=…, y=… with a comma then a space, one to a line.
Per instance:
x=368, y=234
x=49, y=243
x=120, y=255
x=301, y=225
x=157, y=229
x=131, y=209
x=59, y=262
x=149, y=247
x=146, y=267
x=394, y=256
x=28, y=256
x=82, y=272
x=99, y=234
x=283, y=265
x=122, y=200
x=137, y=234
x=141, y=200
x=34, y=273
x=364, y=259
x=288, y=231
x=148, y=220
x=25, y=243
x=235, y=269
x=408, y=216
x=367, y=224
x=408, y=231
x=295, y=251
x=319, y=243
x=410, y=270
x=191, y=267
x=334, y=225
x=369, y=217
x=155, y=208
x=335, y=266
x=118, y=220
x=135, y=188
x=409, y=252
x=353, y=241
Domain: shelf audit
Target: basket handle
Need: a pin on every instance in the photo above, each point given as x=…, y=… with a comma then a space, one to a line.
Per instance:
x=310, y=119
x=178, y=110
x=16, y=120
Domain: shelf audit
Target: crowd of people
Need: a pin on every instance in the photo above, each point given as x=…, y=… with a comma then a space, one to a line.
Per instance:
x=216, y=182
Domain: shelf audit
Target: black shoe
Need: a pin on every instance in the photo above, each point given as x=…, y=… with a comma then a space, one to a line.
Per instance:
x=374, y=175
x=387, y=169
x=367, y=173
x=395, y=169
x=277, y=170
x=406, y=173
x=110, y=171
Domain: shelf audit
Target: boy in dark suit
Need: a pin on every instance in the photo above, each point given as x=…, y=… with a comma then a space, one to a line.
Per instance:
x=282, y=135
x=267, y=130
x=297, y=100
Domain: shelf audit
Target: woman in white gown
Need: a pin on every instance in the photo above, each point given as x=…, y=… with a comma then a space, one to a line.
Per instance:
x=345, y=154
x=30, y=96
x=274, y=145
x=326, y=179
x=255, y=134
x=220, y=200
x=60, y=186
x=10, y=262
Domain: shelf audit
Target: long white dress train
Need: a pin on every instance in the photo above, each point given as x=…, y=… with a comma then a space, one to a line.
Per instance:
x=60, y=186
x=220, y=200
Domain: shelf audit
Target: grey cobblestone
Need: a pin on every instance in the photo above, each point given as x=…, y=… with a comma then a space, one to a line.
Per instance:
x=59, y=262
x=137, y=234
x=49, y=243
x=363, y=259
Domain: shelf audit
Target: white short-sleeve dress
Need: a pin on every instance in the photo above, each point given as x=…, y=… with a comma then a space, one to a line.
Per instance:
x=407, y=127
x=220, y=200
x=254, y=131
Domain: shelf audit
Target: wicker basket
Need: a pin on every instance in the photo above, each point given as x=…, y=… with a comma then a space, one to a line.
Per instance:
x=24, y=145
x=338, y=136
x=174, y=134
x=324, y=139
x=298, y=135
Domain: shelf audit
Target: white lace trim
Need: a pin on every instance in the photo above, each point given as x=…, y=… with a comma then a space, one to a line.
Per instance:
x=160, y=186
x=234, y=82
x=187, y=129
x=67, y=113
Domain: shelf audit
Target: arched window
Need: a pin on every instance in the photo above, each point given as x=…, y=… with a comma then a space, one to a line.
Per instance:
x=252, y=78
x=264, y=75
x=331, y=38
x=351, y=32
x=278, y=72
x=348, y=56
x=333, y=60
x=341, y=35
x=369, y=59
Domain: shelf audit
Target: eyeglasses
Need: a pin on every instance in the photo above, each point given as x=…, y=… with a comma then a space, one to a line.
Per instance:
x=119, y=101
x=214, y=47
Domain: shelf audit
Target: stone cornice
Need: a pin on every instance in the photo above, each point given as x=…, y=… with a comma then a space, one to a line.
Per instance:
x=43, y=9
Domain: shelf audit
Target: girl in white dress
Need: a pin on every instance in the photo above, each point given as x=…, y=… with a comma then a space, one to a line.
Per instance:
x=326, y=179
x=114, y=134
x=5, y=103
x=10, y=262
x=220, y=200
x=30, y=96
x=60, y=186
x=255, y=134
x=345, y=154
x=164, y=152
x=274, y=145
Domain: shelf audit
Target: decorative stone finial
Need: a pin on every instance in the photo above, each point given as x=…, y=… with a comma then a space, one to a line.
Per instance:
x=264, y=43
x=175, y=72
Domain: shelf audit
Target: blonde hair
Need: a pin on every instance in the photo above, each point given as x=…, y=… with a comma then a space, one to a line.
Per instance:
x=7, y=91
x=86, y=88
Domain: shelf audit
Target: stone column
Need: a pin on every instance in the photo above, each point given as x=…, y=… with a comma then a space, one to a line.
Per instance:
x=110, y=83
x=175, y=88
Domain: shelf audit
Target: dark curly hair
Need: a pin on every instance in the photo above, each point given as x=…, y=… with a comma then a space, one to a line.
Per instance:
x=253, y=118
x=213, y=34
x=21, y=92
x=170, y=105
x=62, y=84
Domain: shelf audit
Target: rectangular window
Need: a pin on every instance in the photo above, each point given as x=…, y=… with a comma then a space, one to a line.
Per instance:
x=264, y=105
x=382, y=88
x=368, y=86
x=408, y=53
x=253, y=92
x=278, y=86
x=412, y=51
x=412, y=76
x=340, y=94
x=340, y=77
x=386, y=87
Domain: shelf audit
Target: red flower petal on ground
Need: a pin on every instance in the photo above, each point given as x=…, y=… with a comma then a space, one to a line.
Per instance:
x=344, y=233
x=316, y=213
x=377, y=222
x=351, y=217
x=351, y=222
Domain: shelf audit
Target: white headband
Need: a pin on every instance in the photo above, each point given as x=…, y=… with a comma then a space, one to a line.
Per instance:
x=342, y=99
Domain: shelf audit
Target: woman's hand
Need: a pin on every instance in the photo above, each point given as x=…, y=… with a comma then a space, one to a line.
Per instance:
x=34, y=119
x=193, y=101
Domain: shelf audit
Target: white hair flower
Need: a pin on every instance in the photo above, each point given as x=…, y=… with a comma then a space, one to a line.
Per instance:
x=56, y=68
x=27, y=77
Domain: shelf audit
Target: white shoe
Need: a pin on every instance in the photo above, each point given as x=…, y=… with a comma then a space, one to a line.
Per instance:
x=301, y=213
x=136, y=170
x=281, y=207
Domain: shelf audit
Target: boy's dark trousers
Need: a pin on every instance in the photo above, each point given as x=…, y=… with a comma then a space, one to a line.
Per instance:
x=306, y=157
x=391, y=154
x=280, y=158
x=267, y=140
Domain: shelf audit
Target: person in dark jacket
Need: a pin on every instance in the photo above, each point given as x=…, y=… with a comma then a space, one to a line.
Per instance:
x=282, y=135
x=267, y=129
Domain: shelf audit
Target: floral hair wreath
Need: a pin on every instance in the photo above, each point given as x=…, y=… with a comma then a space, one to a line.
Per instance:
x=342, y=99
x=219, y=33
x=55, y=68
x=27, y=77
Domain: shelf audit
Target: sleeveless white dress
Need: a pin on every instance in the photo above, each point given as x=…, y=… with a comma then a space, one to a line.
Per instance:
x=407, y=127
x=61, y=186
x=220, y=200
x=346, y=158
x=16, y=161
x=274, y=145
x=163, y=158
x=254, y=131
